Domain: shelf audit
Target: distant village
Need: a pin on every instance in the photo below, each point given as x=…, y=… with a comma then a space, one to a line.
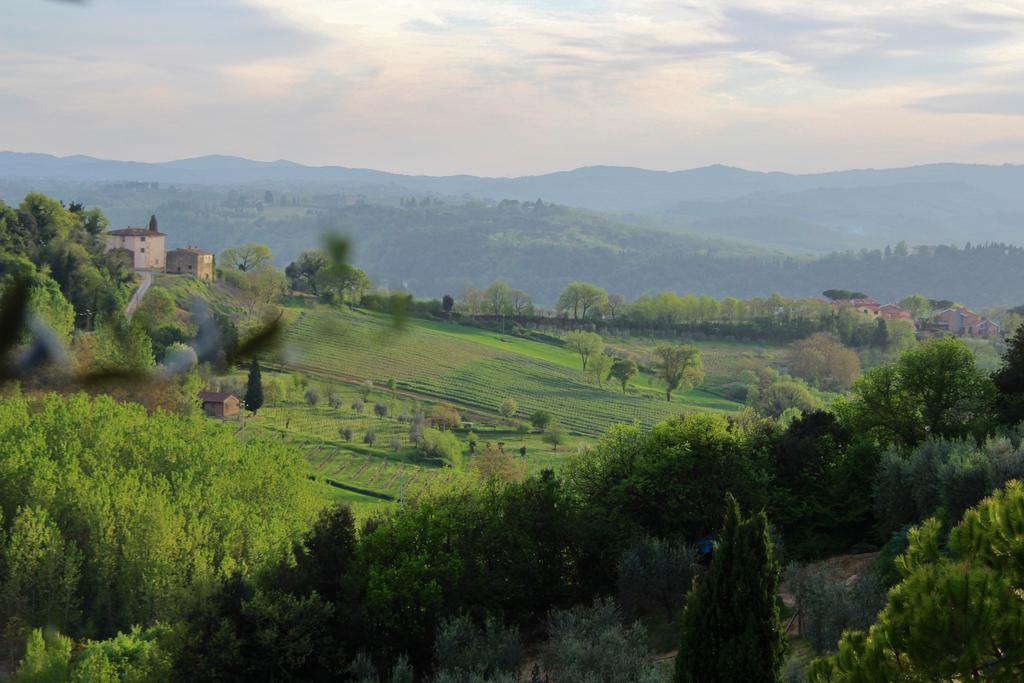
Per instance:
x=955, y=320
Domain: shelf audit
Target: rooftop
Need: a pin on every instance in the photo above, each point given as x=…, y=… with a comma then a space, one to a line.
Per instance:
x=215, y=396
x=136, y=232
x=193, y=250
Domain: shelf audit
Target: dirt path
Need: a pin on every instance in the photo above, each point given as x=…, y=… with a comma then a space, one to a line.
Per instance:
x=133, y=303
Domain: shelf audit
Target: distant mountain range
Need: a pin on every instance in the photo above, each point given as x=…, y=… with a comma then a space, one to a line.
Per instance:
x=819, y=212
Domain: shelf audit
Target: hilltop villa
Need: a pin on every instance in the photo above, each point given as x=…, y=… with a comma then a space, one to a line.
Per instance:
x=146, y=245
x=145, y=248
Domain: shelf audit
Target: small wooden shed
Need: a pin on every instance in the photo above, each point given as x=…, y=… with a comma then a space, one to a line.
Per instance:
x=219, y=404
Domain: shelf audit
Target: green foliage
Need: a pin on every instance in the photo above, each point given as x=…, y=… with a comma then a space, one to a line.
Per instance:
x=445, y=555
x=942, y=476
x=778, y=397
x=464, y=649
x=590, y=645
x=45, y=240
x=441, y=445
x=654, y=575
x=1009, y=381
x=669, y=482
x=509, y=408
x=581, y=300
x=934, y=389
x=554, y=436
x=584, y=344
x=540, y=419
x=623, y=370
x=678, y=366
x=828, y=607
x=47, y=658
x=123, y=517
x=731, y=629
x=122, y=345
x=955, y=617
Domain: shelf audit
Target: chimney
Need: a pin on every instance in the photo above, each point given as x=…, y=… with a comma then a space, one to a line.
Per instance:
x=152, y=223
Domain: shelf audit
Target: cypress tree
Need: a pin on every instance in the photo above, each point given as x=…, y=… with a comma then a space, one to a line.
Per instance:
x=731, y=629
x=254, y=388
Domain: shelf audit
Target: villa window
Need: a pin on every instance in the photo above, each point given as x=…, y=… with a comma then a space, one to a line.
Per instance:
x=142, y=250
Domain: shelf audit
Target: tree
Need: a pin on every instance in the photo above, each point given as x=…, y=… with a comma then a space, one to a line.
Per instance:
x=843, y=294
x=248, y=257
x=554, y=436
x=447, y=302
x=393, y=387
x=589, y=643
x=369, y=437
x=254, y=387
x=520, y=303
x=365, y=389
x=822, y=360
x=540, y=419
x=445, y=416
x=380, y=410
x=731, y=629
x=623, y=370
x=615, y=305
x=441, y=445
x=261, y=287
x=496, y=298
x=600, y=364
x=342, y=282
x=585, y=344
x=303, y=272
x=934, y=389
x=1009, y=381
x=581, y=299
x=679, y=366
x=508, y=408
x=312, y=396
x=956, y=615
x=918, y=306
x=880, y=337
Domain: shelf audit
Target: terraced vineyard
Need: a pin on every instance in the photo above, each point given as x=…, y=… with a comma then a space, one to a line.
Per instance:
x=473, y=375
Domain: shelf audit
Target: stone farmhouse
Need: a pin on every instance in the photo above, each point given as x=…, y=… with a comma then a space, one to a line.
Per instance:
x=146, y=249
x=191, y=261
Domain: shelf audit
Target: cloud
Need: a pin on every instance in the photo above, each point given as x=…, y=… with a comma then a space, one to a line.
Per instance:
x=991, y=102
x=515, y=86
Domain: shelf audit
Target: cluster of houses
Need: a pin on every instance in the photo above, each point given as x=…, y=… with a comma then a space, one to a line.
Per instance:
x=955, y=320
x=145, y=249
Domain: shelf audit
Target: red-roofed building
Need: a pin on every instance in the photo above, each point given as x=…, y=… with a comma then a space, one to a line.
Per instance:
x=219, y=404
x=146, y=245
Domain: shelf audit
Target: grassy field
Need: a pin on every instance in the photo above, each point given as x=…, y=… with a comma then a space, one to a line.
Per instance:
x=391, y=465
x=473, y=369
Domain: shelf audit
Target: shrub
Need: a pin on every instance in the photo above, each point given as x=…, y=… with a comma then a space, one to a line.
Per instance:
x=654, y=574
x=540, y=420
x=463, y=649
x=589, y=644
x=442, y=446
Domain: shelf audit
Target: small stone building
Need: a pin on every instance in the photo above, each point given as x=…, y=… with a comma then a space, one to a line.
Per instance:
x=191, y=261
x=147, y=245
x=219, y=404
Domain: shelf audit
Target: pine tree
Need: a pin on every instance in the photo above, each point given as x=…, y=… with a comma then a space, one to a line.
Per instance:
x=254, y=388
x=731, y=629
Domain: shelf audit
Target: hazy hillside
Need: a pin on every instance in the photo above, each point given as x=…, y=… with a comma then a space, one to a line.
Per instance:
x=812, y=212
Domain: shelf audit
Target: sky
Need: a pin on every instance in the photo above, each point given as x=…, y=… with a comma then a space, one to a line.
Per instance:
x=518, y=87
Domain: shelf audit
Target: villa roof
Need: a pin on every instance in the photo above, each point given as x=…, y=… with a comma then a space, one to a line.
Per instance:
x=136, y=232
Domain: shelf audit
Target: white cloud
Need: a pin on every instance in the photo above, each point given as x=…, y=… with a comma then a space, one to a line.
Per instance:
x=512, y=87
